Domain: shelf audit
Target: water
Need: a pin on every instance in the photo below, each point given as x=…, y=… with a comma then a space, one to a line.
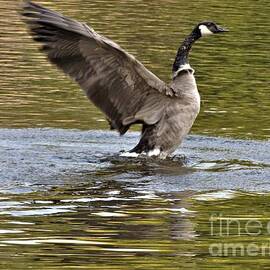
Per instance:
x=66, y=197
x=37, y=159
x=231, y=69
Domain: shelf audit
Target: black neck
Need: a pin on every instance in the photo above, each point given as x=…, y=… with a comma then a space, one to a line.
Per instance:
x=183, y=51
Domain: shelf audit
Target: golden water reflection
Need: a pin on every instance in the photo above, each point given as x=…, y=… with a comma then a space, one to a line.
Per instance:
x=91, y=227
x=231, y=70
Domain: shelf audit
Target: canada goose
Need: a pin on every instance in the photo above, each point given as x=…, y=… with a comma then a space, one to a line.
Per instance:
x=118, y=84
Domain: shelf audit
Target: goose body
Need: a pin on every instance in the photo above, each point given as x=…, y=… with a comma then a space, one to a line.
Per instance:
x=118, y=84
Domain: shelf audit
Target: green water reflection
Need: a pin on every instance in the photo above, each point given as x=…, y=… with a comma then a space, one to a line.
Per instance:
x=106, y=226
x=103, y=224
x=232, y=70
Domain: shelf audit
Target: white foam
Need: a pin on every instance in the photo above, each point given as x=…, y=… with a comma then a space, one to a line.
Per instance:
x=129, y=154
x=154, y=153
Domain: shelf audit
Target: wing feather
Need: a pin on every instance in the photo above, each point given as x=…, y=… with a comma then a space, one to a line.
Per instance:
x=112, y=79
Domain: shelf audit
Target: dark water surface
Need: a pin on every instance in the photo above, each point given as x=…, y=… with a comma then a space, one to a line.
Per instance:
x=69, y=201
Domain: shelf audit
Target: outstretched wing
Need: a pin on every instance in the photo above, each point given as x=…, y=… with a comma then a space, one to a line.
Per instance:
x=112, y=79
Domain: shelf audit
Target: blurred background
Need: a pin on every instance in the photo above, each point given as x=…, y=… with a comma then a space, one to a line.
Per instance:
x=232, y=70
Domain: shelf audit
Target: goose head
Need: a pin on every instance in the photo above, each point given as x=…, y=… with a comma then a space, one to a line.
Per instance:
x=209, y=28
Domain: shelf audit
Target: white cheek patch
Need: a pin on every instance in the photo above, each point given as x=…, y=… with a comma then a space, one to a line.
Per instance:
x=205, y=31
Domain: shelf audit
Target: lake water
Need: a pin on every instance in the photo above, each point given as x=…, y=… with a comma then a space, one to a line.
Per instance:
x=67, y=200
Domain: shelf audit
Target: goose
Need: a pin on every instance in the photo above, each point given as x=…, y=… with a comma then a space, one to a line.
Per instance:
x=118, y=84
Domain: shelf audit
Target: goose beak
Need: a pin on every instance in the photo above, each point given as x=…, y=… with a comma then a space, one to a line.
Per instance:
x=220, y=30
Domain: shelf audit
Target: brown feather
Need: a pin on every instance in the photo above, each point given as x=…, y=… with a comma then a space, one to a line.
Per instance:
x=117, y=83
x=112, y=79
